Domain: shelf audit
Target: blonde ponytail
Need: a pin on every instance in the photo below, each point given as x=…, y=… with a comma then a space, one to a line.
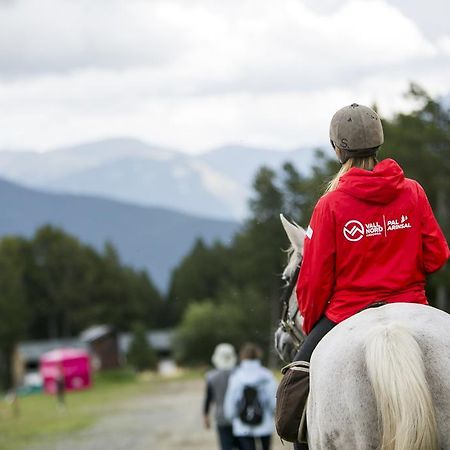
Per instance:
x=367, y=163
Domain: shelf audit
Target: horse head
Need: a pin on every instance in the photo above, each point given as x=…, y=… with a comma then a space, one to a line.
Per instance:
x=296, y=235
x=289, y=335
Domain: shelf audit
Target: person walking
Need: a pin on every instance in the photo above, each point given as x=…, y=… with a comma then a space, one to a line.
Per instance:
x=224, y=360
x=372, y=238
x=250, y=400
x=60, y=387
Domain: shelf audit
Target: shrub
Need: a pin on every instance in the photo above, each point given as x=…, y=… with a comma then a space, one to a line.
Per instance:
x=140, y=354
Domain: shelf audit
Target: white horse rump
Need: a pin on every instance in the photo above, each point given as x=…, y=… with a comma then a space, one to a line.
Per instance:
x=381, y=380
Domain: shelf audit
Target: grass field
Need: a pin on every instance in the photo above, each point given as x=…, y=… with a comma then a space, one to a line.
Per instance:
x=39, y=416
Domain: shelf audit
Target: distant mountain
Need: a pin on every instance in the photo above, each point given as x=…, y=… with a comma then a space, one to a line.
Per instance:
x=215, y=184
x=176, y=185
x=34, y=168
x=241, y=163
x=149, y=238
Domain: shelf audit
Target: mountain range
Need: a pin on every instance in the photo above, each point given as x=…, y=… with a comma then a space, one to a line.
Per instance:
x=151, y=202
x=150, y=238
x=216, y=184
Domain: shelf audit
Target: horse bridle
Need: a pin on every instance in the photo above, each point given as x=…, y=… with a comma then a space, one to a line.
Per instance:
x=287, y=322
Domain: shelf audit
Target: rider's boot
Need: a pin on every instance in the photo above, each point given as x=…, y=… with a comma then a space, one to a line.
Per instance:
x=292, y=395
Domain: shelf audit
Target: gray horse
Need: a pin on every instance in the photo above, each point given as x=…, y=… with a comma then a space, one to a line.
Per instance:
x=380, y=379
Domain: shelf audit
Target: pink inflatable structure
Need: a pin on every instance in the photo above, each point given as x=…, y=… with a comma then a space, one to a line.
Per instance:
x=72, y=364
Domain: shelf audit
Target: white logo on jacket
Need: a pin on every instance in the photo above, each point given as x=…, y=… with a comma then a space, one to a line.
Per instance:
x=398, y=224
x=374, y=229
x=353, y=230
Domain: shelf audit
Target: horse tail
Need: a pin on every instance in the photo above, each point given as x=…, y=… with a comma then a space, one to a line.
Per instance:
x=397, y=372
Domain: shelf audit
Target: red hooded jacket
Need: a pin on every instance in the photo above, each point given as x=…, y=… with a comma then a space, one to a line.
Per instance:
x=372, y=239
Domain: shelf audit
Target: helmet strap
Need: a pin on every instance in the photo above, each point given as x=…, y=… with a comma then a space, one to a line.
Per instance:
x=344, y=157
x=341, y=156
x=346, y=154
x=339, y=153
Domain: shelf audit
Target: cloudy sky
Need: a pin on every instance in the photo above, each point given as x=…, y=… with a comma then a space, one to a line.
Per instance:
x=194, y=74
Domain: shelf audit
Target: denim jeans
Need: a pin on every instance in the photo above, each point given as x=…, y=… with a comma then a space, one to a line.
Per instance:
x=322, y=327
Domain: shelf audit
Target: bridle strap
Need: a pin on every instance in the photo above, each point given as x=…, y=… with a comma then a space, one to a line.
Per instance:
x=287, y=294
x=292, y=283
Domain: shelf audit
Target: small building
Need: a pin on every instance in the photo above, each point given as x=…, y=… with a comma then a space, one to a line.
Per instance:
x=107, y=350
x=103, y=343
x=72, y=364
x=160, y=340
x=27, y=356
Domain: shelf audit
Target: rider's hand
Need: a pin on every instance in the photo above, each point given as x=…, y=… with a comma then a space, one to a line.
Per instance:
x=207, y=422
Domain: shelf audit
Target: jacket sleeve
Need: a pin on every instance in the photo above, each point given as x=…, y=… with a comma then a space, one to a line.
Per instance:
x=229, y=403
x=434, y=246
x=317, y=273
x=208, y=399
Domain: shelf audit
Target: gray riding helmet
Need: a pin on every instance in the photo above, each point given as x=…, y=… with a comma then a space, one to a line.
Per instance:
x=357, y=131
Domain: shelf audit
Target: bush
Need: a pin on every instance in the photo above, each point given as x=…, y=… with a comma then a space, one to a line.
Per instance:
x=205, y=325
x=140, y=354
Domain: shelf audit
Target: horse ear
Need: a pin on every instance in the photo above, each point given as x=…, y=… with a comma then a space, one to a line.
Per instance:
x=295, y=233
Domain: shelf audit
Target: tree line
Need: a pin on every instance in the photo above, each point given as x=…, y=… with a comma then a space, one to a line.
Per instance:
x=52, y=285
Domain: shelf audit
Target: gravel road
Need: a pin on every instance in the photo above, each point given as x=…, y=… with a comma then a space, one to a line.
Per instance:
x=169, y=420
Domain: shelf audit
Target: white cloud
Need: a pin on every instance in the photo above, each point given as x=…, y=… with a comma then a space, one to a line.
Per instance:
x=38, y=36
x=201, y=73
x=444, y=45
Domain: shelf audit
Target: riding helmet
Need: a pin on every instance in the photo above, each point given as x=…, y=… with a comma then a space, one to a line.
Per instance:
x=357, y=131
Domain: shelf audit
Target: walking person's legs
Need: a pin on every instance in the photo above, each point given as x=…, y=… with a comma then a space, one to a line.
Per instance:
x=266, y=442
x=247, y=442
x=226, y=438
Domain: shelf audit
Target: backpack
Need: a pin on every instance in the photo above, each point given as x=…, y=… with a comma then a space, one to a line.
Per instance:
x=250, y=409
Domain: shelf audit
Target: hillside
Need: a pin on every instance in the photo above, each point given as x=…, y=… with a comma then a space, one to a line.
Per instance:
x=151, y=238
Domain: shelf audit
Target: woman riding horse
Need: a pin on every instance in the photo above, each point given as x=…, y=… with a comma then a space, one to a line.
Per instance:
x=372, y=238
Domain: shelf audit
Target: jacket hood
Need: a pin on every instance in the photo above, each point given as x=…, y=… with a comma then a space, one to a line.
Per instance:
x=381, y=185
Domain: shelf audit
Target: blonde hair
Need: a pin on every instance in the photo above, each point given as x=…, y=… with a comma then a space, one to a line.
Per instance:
x=367, y=163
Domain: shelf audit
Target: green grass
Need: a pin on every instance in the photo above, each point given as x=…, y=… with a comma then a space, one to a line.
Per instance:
x=39, y=417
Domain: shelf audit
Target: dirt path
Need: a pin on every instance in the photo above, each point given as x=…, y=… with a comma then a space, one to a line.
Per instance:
x=169, y=420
